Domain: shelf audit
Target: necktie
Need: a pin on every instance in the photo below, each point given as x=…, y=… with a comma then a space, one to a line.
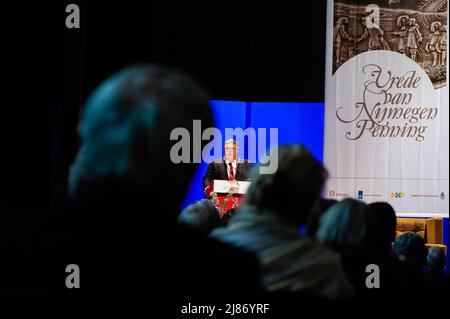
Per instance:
x=231, y=176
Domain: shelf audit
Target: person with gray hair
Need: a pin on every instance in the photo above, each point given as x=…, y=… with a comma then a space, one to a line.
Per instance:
x=436, y=258
x=411, y=248
x=350, y=229
x=347, y=227
x=436, y=277
x=276, y=206
x=411, y=251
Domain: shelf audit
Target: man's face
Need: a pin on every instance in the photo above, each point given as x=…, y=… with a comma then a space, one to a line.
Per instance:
x=230, y=152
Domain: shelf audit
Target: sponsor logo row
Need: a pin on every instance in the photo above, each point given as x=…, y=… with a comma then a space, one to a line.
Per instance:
x=394, y=195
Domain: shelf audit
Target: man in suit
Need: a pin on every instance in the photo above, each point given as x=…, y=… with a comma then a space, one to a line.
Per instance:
x=230, y=167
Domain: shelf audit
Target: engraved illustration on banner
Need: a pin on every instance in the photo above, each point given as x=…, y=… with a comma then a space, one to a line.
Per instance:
x=414, y=28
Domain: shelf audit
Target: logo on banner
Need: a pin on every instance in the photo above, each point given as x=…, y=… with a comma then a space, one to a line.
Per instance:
x=360, y=194
x=398, y=194
x=432, y=196
x=338, y=194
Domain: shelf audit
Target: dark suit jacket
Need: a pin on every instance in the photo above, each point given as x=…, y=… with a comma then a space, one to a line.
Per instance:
x=218, y=170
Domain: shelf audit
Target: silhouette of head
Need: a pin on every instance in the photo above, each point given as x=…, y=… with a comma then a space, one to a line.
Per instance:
x=411, y=247
x=387, y=221
x=292, y=190
x=348, y=227
x=202, y=216
x=125, y=132
x=436, y=258
x=319, y=208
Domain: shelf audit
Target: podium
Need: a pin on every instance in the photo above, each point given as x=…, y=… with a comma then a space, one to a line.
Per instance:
x=227, y=194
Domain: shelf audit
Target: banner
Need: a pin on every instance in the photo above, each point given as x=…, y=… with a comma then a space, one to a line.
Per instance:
x=386, y=104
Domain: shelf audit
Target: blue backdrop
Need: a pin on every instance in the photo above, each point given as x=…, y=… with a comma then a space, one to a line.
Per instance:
x=300, y=123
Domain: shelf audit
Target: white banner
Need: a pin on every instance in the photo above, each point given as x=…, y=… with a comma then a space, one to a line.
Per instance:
x=387, y=104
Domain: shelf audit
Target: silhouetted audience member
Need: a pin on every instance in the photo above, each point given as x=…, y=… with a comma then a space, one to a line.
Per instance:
x=400, y=279
x=436, y=277
x=436, y=259
x=387, y=222
x=202, y=216
x=394, y=282
x=350, y=229
x=276, y=205
x=411, y=250
x=319, y=208
x=126, y=187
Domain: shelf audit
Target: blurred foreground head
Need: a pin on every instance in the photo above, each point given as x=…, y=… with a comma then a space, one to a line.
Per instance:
x=292, y=190
x=125, y=136
x=201, y=216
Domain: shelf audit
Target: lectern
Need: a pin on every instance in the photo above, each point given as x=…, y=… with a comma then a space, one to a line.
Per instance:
x=230, y=194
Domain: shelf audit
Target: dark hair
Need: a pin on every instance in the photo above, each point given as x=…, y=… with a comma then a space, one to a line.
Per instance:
x=202, y=216
x=436, y=258
x=411, y=247
x=291, y=191
x=387, y=222
x=319, y=208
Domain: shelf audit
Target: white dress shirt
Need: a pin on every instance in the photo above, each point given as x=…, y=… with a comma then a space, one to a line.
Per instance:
x=234, y=165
